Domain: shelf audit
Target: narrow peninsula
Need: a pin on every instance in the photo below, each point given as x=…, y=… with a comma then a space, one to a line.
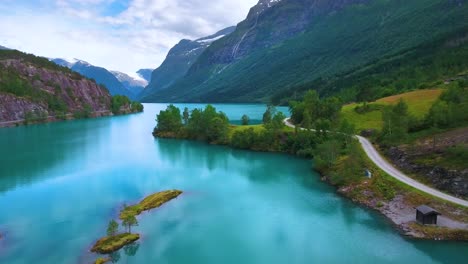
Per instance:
x=114, y=240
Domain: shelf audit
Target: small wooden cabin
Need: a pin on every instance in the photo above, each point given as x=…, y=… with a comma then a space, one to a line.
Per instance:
x=426, y=215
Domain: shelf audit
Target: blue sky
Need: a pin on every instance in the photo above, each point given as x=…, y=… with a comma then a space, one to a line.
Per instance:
x=123, y=35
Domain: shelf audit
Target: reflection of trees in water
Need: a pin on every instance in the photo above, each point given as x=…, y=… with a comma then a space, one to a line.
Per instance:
x=132, y=249
x=115, y=257
x=442, y=251
x=257, y=166
x=28, y=152
x=129, y=251
x=192, y=154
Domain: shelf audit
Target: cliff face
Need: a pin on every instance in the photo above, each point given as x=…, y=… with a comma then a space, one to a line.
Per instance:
x=13, y=108
x=31, y=86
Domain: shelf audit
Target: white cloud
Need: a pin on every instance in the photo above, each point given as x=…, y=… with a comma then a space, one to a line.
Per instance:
x=126, y=39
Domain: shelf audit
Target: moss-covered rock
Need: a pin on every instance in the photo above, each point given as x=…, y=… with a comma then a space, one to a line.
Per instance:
x=108, y=245
x=150, y=202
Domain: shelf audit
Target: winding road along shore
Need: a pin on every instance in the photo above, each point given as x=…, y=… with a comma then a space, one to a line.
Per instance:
x=374, y=155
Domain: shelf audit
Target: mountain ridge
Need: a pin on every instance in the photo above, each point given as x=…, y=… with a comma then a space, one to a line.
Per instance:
x=135, y=83
x=100, y=74
x=329, y=38
x=178, y=61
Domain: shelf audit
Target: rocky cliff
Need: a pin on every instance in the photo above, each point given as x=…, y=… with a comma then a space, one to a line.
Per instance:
x=34, y=88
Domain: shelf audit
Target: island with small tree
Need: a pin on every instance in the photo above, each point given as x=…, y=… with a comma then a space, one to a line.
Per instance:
x=115, y=240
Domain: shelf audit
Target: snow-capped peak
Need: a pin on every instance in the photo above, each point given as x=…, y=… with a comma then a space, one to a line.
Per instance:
x=132, y=78
x=262, y=6
x=69, y=63
x=75, y=61
x=269, y=3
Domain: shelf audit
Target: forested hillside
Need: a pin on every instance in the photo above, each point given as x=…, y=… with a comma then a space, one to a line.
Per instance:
x=34, y=89
x=327, y=41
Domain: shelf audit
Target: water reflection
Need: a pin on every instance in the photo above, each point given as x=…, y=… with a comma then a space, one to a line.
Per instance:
x=28, y=154
x=237, y=206
x=132, y=249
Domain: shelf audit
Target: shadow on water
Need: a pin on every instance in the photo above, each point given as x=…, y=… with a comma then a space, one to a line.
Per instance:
x=443, y=251
x=25, y=161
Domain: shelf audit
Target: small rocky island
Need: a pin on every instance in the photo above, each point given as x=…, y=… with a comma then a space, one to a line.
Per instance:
x=114, y=240
x=150, y=202
x=111, y=244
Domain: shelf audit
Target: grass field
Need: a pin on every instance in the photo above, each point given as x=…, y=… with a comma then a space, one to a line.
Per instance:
x=256, y=128
x=419, y=102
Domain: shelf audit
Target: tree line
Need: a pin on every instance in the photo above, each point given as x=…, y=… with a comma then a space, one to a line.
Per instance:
x=326, y=143
x=449, y=111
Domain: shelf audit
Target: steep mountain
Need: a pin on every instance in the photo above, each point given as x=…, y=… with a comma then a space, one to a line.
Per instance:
x=101, y=75
x=33, y=88
x=145, y=74
x=285, y=44
x=3, y=48
x=177, y=63
x=64, y=63
x=134, y=84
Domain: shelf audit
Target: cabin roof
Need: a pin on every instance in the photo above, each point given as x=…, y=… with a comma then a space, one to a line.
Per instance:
x=426, y=210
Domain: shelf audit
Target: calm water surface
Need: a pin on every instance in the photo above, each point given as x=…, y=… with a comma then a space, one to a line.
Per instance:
x=61, y=183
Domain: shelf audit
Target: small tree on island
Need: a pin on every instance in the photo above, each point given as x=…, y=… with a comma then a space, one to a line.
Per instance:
x=129, y=221
x=112, y=228
x=245, y=120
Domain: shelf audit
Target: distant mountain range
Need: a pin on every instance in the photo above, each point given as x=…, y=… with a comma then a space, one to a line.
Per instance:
x=179, y=59
x=287, y=46
x=135, y=83
x=117, y=83
x=3, y=48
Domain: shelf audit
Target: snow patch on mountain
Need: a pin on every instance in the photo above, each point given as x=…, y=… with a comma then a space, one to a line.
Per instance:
x=262, y=6
x=134, y=79
x=210, y=40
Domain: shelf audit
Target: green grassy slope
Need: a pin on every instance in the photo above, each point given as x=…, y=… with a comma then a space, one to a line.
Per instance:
x=419, y=102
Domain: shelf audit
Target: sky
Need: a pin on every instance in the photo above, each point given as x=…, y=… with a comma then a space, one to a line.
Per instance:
x=122, y=35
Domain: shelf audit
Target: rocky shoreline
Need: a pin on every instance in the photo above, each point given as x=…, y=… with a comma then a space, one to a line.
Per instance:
x=402, y=215
x=52, y=119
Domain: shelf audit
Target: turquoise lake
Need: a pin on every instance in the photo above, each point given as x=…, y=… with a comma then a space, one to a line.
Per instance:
x=61, y=183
